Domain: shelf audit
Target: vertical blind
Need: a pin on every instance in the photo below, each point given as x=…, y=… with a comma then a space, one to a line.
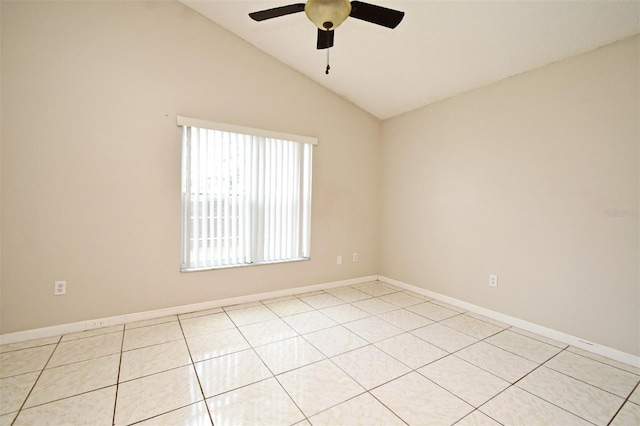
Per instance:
x=246, y=198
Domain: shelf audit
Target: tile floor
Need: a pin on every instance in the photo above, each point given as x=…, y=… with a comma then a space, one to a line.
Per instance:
x=368, y=354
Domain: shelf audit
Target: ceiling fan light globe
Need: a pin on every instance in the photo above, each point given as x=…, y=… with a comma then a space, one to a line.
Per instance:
x=327, y=14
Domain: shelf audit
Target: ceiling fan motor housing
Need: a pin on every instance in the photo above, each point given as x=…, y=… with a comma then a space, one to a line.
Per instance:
x=327, y=14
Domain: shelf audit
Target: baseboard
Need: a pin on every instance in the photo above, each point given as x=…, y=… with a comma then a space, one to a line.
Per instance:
x=61, y=329
x=58, y=330
x=577, y=342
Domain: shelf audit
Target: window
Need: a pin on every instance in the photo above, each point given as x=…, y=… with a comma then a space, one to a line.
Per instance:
x=246, y=195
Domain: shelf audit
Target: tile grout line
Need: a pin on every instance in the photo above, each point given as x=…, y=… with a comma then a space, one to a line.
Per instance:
x=539, y=364
x=35, y=383
x=511, y=385
x=544, y=399
x=601, y=362
x=458, y=350
x=585, y=382
x=115, y=400
x=326, y=358
x=625, y=402
x=373, y=344
x=195, y=372
x=274, y=376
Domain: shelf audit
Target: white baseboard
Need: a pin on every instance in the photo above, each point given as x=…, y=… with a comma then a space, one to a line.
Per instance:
x=577, y=342
x=58, y=330
x=61, y=329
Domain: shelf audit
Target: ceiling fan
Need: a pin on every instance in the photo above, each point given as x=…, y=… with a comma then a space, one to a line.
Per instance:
x=327, y=15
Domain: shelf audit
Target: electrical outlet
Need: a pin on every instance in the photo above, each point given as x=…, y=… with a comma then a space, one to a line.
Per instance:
x=339, y=260
x=493, y=280
x=355, y=257
x=59, y=288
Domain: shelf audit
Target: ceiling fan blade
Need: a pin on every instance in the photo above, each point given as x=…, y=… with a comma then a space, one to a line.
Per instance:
x=325, y=39
x=376, y=14
x=277, y=12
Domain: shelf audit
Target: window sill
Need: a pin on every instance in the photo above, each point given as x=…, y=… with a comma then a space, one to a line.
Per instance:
x=244, y=265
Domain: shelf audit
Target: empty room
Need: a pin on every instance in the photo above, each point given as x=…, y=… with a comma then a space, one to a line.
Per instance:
x=320, y=213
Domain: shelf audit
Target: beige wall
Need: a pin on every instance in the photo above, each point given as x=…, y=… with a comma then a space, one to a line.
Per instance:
x=91, y=158
x=515, y=179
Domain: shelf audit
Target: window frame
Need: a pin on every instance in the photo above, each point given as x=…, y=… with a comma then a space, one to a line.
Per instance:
x=185, y=122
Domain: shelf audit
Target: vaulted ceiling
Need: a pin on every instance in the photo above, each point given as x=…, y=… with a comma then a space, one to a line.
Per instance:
x=440, y=49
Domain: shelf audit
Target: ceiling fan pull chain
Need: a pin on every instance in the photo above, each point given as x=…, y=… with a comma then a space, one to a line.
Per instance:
x=328, y=67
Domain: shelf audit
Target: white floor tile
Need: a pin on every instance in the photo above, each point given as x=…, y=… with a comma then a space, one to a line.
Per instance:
x=319, y=386
x=406, y=320
x=419, y=401
x=206, y=324
x=335, y=340
x=262, y=403
x=87, y=348
x=411, y=350
x=322, y=300
x=191, y=415
x=349, y=295
x=417, y=295
x=91, y=408
x=375, y=306
x=603, y=376
x=471, y=326
x=7, y=419
x=151, y=335
x=74, y=379
x=288, y=354
x=375, y=289
x=370, y=366
x=308, y=322
x=432, y=311
x=518, y=407
x=267, y=332
x=373, y=329
x=605, y=360
x=589, y=402
x=251, y=315
x=465, y=380
x=92, y=333
x=153, y=359
x=539, y=338
x=9, y=347
x=363, y=410
x=444, y=337
x=401, y=299
x=24, y=360
x=344, y=313
x=503, y=364
x=289, y=307
x=230, y=372
x=14, y=390
x=477, y=418
x=635, y=396
x=448, y=306
x=206, y=346
x=160, y=393
x=527, y=347
x=629, y=415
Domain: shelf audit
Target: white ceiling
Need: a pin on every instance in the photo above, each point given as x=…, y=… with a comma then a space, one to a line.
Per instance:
x=440, y=49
